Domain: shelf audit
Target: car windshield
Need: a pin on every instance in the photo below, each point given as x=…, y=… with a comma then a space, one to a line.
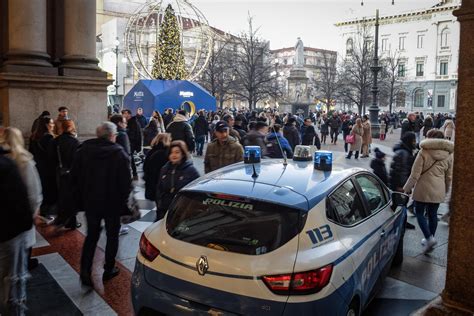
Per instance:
x=232, y=223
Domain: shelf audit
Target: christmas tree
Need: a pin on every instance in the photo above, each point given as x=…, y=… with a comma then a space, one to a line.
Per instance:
x=168, y=63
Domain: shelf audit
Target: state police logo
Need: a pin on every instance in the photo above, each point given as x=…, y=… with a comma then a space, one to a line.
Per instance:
x=202, y=265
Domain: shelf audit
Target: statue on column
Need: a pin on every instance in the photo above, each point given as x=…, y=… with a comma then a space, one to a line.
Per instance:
x=299, y=53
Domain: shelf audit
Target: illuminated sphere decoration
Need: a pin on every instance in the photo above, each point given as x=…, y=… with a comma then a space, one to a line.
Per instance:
x=143, y=30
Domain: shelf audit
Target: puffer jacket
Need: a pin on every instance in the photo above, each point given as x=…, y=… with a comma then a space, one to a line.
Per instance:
x=180, y=129
x=431, y=174
x=220, y=155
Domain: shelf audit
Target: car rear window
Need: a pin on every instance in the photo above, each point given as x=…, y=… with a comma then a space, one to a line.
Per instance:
x=232, y=223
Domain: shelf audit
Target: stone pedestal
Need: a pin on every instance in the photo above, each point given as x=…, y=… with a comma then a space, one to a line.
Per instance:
x=24, y=96
x=458, y=295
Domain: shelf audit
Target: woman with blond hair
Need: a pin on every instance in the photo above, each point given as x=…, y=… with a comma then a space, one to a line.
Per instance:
x=357, y=132
x=14, y=143
x=64, y=150
x=155, y=159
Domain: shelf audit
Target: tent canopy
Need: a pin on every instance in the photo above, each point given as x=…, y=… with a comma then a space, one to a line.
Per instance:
x=158, y=95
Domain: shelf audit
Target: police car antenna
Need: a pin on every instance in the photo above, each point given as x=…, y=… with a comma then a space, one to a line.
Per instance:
x=255, y=174
x=285, y=161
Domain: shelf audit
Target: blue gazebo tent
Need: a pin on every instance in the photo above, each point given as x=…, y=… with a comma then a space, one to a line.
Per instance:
x=159, y=95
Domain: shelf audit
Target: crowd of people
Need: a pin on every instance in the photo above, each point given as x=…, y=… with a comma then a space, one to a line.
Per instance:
x=58, y=176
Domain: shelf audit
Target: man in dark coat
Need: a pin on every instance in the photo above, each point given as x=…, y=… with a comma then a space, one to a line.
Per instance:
x=334, y=123
x=101, y=180
x=135, y=137
x=122, y=136
x=290, y=132
x=402, y=161
x=201, y=130
x=141, y=119
x=309, y=135
x=180, y=129
x=168, y=117
x=17, y=220
x=256, y=137
x=408, y=124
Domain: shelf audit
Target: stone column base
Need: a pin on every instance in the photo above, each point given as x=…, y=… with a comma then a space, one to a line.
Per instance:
x=28, y=58
x=24, y=96
x=439, y=307
x=79, y=62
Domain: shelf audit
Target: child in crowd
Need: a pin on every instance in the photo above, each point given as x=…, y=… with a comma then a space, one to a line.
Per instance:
x=378, y=165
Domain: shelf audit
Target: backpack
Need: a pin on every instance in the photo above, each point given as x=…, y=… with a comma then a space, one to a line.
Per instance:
x=273, y=148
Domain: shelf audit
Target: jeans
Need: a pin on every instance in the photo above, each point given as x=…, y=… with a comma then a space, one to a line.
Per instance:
x=334, y=134
x=428, y=229
x=200, y=144
x=13, y=275
x=112, y=228
x=417, y=135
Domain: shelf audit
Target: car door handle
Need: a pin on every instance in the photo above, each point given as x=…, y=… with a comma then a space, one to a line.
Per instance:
x=382, y=234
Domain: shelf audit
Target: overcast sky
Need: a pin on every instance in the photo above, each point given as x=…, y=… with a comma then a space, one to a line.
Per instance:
x=282, y=21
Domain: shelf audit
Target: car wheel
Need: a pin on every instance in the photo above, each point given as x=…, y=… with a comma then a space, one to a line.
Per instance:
x=398, y=258
x=353, y=308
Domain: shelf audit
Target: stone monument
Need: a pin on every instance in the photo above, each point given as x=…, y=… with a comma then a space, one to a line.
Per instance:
x=298, y=96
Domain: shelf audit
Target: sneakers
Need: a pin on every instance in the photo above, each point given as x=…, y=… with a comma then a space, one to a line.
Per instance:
x=110, y=274
x=123, y=230
x=430, y=243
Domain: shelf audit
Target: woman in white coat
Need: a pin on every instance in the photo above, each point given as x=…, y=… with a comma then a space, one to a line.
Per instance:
x=13, y=142
x=430, y=179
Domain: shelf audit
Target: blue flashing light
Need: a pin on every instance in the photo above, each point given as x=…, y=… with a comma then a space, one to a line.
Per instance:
x=323, y=160
x=252, y=154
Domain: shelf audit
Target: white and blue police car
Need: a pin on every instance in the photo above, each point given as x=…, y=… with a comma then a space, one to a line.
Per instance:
x=271, y=239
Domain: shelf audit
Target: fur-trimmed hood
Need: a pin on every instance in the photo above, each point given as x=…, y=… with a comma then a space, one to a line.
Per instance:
x=438, y=149
x=180, y=118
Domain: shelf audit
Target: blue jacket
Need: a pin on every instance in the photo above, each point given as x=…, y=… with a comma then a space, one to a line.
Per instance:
x=285, y=145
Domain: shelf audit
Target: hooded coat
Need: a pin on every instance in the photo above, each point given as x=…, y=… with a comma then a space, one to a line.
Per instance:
x=431, y=174
x=101, y=177
x=180, y=129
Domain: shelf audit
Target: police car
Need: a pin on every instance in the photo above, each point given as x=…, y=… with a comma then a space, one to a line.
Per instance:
x=271, y=238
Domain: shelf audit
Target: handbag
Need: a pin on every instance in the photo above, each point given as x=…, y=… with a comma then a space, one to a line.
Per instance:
x=131, y=212
x=350, y=139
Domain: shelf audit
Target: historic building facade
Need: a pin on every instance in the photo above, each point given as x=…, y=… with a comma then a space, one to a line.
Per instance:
x=427, y=44
x=47, y=60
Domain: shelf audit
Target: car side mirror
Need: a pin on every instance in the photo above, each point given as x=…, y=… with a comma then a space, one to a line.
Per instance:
x=399, y=199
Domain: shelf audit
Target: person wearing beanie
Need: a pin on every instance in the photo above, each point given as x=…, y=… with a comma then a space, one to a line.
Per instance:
x=378, y=165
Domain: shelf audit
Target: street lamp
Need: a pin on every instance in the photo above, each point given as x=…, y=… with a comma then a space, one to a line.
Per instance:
x=374, y=108
x=116, y=51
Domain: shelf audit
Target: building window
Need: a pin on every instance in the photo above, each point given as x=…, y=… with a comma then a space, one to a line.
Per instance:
x=384, y=44
x=419, y=43
x=401, y=97
x=443, y=68
x=441, y=101
x=349, y=46
x=420, y=69
x=418, y=102
x=285, y=61
x=401, y=70
x=401, y=43
x=445, y=38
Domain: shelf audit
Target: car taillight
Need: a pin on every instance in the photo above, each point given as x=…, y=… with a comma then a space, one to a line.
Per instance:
x=147, y=250
x=299, y=283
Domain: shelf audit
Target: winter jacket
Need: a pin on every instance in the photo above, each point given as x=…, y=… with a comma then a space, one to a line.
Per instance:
x=256, y=138
x=367, y=136
x=401, y=165
x=135, y=137
x=172, y=179
x=155, y=159
x=44, y=153
x=347, y=127
x=334, y=123
x=324, y=126
x=16, y=210
x=149, y=132
x=275, y=143
x=290, y=132
x=141, y=120
x=428, y=124
x=67, y=145
x=201, y=128
x=431, y=174
x=309, y=137
x=123, y=140
x=448, y=128
x=358, y=132
x=378, y=167
x=220, y=155
x=101, y=177
x=181, y=130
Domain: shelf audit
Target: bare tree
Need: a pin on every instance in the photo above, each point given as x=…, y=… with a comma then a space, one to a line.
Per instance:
x=390, y=79
x=327, y=83
x=356, y=75
x=253, y=68
x=217, y=77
